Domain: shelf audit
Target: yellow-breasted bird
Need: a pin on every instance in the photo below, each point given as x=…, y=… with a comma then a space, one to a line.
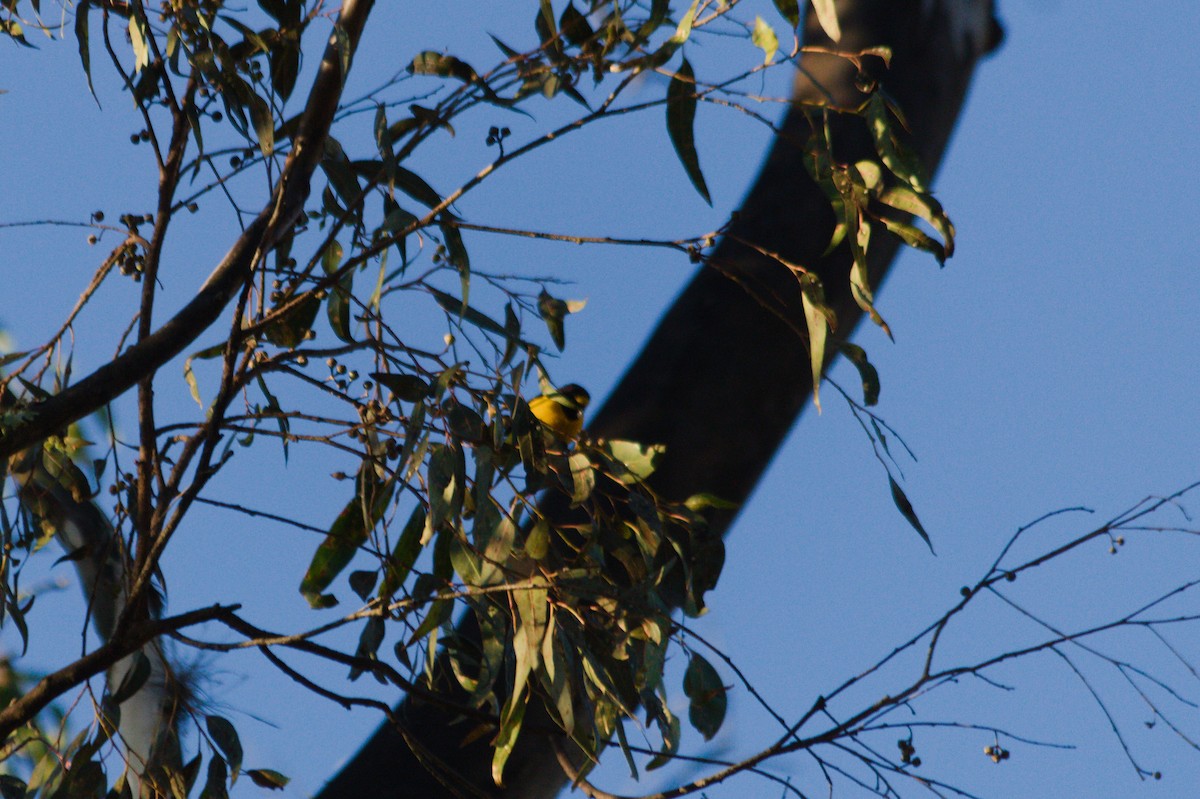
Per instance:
x=562, y=411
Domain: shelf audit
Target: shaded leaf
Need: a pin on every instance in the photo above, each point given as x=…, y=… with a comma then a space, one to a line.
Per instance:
x=267, y=778
x=346, y=535
x=81, y=37
x=681, y=116
x=906, y=509
x=404, y=554
x=409, y=388
x=870, y=377
x=136, y=673
x=225, y=736
x=704, y=688
x=790, y=10
x=337, y=306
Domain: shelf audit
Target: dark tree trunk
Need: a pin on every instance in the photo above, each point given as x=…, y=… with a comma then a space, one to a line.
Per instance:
x=729, y=341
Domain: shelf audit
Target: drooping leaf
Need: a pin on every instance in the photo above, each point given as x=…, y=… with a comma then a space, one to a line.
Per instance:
x=681, y=117
x=906, y=508
x=81, y=37
x=790, y=10
x=214, y=784
x=446, y=484
x=819, y=318
x=225, y=736
x=866, y=371
x=827, y=16
x=553, y=311
x=348, y=532
x=369, y=642
x=925, y=207
x=404, y=554
x=134, y=677
x=704, y=688
x=337, y=306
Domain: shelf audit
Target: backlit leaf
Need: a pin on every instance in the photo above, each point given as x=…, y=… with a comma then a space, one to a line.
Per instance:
x=906, y=509
x=681, y=116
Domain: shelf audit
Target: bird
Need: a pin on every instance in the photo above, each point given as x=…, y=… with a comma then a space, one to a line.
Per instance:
x=562, y=411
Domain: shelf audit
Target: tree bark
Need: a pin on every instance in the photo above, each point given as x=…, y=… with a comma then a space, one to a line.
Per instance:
x=729, y=343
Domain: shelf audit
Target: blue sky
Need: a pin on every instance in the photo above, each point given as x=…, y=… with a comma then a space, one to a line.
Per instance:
x=1052, y=363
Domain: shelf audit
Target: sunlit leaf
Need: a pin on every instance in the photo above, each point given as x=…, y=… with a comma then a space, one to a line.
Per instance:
x=819, y=318
x=764, y=38
x=827, y=16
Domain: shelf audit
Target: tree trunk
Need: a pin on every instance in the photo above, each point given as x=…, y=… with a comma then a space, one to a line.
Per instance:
x=730, y=341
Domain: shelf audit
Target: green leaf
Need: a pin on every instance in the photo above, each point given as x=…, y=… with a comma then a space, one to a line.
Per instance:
x=369, y=642
x=289, y=330
x=214, y=784
x=827, y=16
x=267, y=778
x=348, y=532
x=81, y=36
x=681, y=116
x=925, y=207
x=446, y=66
x=226, y=739
x=764, y=38
x=704, y=688
x=404, y=554
x=409, y=388
x=819, y=318
x=583, y=478
x=135, y=676
x=575, y=26
x=138, y=40
x=264, y=123
x=506, y=739
x=337, y=306
x=790, y=10
x=899, y=159
x=458, y=255
x=684, y=30
x=638, y=458
x=362, y=583
x=915, y=237
x=446, y=482
x=870, y=377
x=906, y=509
x=553, y=311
